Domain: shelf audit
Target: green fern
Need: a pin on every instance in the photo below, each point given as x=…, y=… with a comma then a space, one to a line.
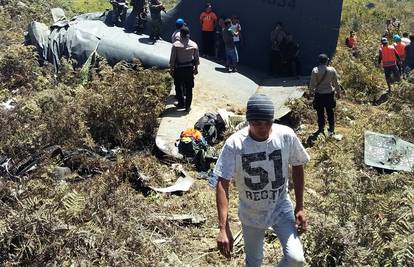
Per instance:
x=73, y=203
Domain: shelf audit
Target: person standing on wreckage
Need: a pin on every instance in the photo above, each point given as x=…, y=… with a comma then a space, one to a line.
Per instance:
x=155, y=7
x=258, y=158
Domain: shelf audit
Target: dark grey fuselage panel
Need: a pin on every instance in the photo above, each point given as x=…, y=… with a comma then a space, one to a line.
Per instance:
x=313, y=23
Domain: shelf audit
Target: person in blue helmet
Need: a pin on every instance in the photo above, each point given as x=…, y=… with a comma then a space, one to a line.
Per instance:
x=179, y=23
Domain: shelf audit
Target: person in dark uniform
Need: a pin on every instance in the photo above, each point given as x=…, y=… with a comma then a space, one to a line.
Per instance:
x=119, y=11
x=155, y=7
x=138, y=8
x=290, y=51
x=184, y=61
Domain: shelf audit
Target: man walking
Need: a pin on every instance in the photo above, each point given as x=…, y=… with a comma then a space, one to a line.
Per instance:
x=208, y=21
x=184, y=61
x=389, y=59
x=258, y=158
x=324, y=84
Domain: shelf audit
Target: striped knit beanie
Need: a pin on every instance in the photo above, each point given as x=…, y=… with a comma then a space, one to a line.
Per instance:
x=260, y=107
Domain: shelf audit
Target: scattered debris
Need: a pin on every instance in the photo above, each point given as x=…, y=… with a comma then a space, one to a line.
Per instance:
x=337, y=137
x=388, y=152
x=185, y=218
x=8, y=105
x=173, y=260
x=60, y=173
x=183, y=184
x=21, y=4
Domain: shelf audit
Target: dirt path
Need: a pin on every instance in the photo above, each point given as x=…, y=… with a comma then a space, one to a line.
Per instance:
x=216, y=89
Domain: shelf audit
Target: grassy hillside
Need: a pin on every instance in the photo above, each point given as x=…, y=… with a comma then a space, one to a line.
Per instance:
x=102, y=213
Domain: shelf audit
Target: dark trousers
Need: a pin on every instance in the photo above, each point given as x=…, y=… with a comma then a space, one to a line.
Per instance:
x=276, y=63
x=293, y=66
x=207, y=39
x=322, y=103
x=184, y=83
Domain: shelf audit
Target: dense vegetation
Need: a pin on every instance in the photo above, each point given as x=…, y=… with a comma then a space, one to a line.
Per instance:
x=99, y=214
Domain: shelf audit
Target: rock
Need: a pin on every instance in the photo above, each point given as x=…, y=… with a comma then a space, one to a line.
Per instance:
x=370, y=5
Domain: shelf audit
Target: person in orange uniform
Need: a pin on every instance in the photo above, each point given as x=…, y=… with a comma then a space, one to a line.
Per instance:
x=208, y=20
x=389, y=59
x=400, y=47
x=351, y=41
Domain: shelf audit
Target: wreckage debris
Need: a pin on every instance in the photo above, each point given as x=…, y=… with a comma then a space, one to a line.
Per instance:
x=388, y=152
x=185, y=219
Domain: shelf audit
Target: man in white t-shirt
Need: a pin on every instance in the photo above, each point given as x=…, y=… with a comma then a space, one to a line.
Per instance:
x=258, y=158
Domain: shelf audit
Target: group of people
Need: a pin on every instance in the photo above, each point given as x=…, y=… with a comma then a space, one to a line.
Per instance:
x=258, y=157
x=396, y=59
x=221, y=37
x=119, y=12
x=184, y=58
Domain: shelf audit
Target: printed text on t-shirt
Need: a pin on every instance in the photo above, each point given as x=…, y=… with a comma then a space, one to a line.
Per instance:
x=277, y=183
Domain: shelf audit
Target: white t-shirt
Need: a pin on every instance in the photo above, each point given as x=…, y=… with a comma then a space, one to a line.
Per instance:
x=260, y=170
x=406, y=40
x=236, y=28
x=176, y=36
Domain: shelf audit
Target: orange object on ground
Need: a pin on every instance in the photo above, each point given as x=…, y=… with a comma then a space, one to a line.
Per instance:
x=193, y=133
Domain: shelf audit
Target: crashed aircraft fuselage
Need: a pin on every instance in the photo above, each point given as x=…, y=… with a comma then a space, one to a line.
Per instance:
x=314, y=25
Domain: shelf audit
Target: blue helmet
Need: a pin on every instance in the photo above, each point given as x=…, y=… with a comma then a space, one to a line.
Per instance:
x=179, y=23
x=396, y=38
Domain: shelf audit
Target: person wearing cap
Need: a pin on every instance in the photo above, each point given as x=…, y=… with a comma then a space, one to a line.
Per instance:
x=179, y=23
x=324, y=84
x=389, y=59
x=208, y=20
x=258, y=159
x=400, y=48
x=184, y=61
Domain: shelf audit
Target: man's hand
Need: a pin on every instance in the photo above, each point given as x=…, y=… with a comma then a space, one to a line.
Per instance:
x=225, y=242
x=195, y=71
x=301, y=221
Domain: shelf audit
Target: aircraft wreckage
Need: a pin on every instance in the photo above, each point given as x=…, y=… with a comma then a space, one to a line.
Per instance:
x=314, y=24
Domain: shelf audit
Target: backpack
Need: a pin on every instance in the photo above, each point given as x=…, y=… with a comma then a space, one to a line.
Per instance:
x=191, y=142
x=211, y=127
